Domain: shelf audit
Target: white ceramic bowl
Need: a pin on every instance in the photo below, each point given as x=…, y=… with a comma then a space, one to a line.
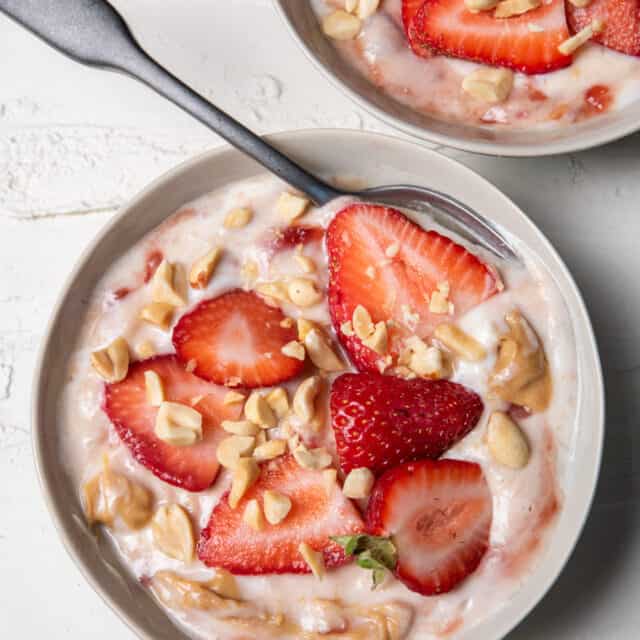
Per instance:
x=381, y=160
x=499, y=141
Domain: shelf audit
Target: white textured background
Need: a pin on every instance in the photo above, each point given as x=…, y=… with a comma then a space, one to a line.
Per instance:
x=76, y=143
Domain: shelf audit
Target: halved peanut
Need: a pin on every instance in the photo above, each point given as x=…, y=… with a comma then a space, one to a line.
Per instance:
x=476, y=6
x=238, y=218
x=240, y=427
x=293, y=442
x=460, y=342
x=275, y=290
x=305, y=397
x=303, y=292
x=253, y=515
x=422, y=359
x=270, y=450
x=233, y=397
x=290, y=207
x=362, y=324
x=304, y=326
x=367, y=8
x=145, y=349
x=258, y=411
x=294, y=349
x=178, y=425
x=154, y=388
x=350, y=5
x=507, y=443
x=232, y=449
x=347, y=328
x=173, y=532
x=112, y=362
x=306, y=264
x=314, y=559
x=509, y=8
x=158, y=313
x=358, y=483
x=378, y=341
x=261, y=438
x=490, y=85
x=245, y=474
x=321, y=353
x=312, y=459
x=276, y=506
x=249, y=272
x=168, y=285
x=571, y=45
x=203, y=268
x=341, y=25
x=278, y=400
x=438, y=303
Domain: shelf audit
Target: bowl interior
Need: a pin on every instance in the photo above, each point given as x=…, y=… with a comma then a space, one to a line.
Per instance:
x=490, y=140
x=381, y=159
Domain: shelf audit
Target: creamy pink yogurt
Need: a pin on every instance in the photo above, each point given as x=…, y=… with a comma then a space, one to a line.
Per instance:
x=598, y=80
x=526, y=501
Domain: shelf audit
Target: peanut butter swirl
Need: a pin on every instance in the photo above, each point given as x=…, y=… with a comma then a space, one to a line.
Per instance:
x=521, y=374
x=110, y=495
x=390, y=621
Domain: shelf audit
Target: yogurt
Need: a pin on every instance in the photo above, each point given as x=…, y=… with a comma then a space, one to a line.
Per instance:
x=599, y=80
x=526, y=502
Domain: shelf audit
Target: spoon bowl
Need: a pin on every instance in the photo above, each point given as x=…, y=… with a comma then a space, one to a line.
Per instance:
x=383, y=157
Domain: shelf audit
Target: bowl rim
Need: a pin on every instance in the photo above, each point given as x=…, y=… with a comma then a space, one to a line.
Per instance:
x=182, y=170
x=605, y=135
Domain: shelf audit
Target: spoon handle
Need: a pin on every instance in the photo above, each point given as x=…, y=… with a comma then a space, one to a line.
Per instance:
x=93, y=33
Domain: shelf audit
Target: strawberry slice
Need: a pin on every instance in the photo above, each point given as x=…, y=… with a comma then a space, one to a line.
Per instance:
x=621, y=23
x=381, y=421
x=397, y=288
x=236, y=340
x=410, y=9
x=448, y=27
x=192, y=468
x=438, y=514
x=315, y=514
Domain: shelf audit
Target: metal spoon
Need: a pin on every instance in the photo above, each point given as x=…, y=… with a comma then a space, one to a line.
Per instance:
x=93, y=33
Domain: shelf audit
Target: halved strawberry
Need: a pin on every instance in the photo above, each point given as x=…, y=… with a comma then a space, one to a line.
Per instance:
x=397, y=288
x=280, y=239
x=315, y=514
x=236, y=340
x=621, y=23
x=448, y=27
x=381, y=421
x=193, y=468
x=438, y=515
x=409, y=10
